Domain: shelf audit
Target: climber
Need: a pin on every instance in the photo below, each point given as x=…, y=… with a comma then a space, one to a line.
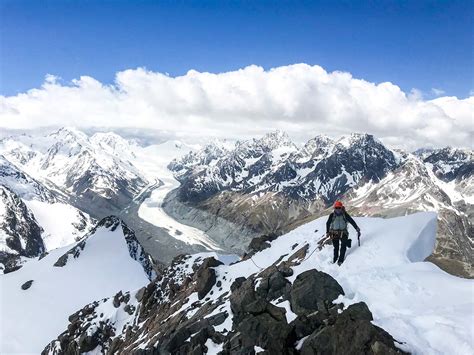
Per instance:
x=336, y=229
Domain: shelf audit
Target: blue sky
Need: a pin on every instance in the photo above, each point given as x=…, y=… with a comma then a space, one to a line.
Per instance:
x=414, y=44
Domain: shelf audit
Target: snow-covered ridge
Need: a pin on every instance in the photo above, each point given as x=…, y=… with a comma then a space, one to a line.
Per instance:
x=407, y=296
x=107, y=260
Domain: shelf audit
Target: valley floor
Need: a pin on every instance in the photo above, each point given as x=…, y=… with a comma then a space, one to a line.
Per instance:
x=151, y=208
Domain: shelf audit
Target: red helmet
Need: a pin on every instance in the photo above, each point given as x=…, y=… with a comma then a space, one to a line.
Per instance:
x=338, y=204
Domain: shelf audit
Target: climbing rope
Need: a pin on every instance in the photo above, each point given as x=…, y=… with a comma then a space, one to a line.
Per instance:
x=317, y=247
x=261, y=268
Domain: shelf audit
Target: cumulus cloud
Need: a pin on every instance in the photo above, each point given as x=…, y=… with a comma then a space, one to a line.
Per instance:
x=301, y=99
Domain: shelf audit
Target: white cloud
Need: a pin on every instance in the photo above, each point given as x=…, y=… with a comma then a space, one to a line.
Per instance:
x=301, y=99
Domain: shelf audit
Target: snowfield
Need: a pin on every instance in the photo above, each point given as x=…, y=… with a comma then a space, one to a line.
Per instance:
x=31, y=318
x=59, y=222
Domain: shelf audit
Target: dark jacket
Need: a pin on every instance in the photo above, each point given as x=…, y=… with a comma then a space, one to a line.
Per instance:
x=348, y=219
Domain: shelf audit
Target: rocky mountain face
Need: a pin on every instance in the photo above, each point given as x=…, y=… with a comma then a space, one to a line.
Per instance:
x=186, y=311
x=269, y=185
x=450, y=164
x=68, y=223
x=20, y=234
x=322, y=169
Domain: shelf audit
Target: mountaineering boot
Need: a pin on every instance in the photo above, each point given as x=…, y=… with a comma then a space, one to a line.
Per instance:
x=340, y=262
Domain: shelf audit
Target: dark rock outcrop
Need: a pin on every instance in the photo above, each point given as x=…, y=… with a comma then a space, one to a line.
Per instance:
x=27, y=285
x=206, y=276
x=351, y=333
x=312, y=291
x=260, y=243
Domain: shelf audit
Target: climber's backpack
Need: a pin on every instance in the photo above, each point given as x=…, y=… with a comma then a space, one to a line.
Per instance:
x=339, y=222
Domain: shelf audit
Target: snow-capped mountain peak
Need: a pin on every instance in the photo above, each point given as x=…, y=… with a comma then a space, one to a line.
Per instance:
x=317, y=148
x=451, y=164
x=114, y=144
x=274, y=140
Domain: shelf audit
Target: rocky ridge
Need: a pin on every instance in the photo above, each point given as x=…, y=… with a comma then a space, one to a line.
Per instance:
x=186, y=311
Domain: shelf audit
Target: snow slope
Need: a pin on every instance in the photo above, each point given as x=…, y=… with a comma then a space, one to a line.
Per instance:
x=63, y=224
x=31, y=318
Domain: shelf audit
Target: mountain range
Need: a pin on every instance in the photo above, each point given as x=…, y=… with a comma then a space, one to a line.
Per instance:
x=234, y=192
x=107, y=246
x=269, y=185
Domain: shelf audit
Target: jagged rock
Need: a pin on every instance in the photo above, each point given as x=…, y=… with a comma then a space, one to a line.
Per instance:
x=206, y=276
x=352, y=333
x=312, y=291
x=264, y=330
x=257, y=322
x=10, y=262
x=27, y=285
x=261, y=243
x=304, y=325
x=120, y=298
x=237, y=283
x=206, y=279
x=140, y=293
x=210, y=262
x=274, y=286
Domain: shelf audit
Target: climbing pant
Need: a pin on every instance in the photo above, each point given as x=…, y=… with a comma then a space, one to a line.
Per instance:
x=339, y=237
